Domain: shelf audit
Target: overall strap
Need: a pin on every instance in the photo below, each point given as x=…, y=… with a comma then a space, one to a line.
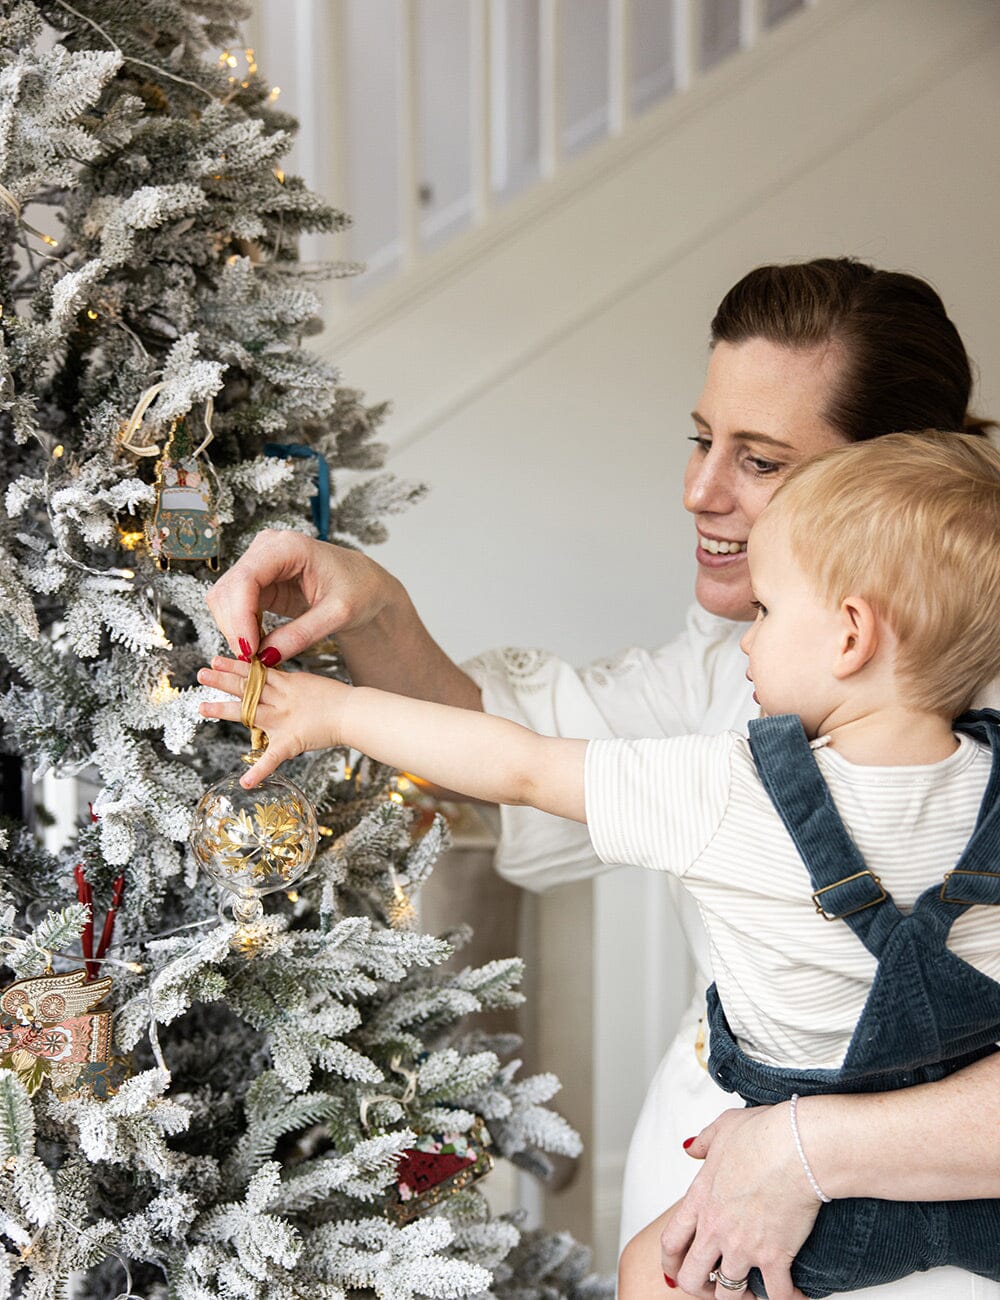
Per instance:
x=844, y=888
x=975, y=878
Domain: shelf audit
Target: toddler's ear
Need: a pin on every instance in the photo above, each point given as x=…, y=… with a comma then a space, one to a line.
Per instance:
x=858, y=642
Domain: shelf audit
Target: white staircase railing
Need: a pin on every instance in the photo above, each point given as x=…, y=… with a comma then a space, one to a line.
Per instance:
x=423, y=117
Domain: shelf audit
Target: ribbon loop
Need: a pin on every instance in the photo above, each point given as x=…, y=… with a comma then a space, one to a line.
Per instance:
x=248, y=710
x=134, y=423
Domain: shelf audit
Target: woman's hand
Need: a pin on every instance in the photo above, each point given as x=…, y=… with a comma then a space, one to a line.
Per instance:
x=299, y=712
x=322, y=588
x=749, y=1206
x=326, y=590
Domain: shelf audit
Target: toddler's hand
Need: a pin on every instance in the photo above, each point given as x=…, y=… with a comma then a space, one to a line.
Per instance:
x=299, y=711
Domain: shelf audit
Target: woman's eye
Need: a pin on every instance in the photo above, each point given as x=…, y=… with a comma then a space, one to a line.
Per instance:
x=763, y=467
x=702, y=442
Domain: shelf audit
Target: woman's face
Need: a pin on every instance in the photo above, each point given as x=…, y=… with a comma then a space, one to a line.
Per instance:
x=758, y=415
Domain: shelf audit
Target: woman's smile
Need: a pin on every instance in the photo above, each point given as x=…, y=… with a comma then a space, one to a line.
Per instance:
x=719, y=551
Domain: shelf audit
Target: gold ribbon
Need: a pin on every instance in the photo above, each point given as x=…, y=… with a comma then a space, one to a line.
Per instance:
x=248, y=711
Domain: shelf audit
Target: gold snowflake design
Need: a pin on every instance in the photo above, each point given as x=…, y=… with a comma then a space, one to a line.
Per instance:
x=267, y=843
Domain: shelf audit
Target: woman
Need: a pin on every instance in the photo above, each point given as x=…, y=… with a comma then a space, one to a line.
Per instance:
x=804, y=357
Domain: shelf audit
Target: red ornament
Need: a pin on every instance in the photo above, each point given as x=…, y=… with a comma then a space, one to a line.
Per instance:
x=437, y=1166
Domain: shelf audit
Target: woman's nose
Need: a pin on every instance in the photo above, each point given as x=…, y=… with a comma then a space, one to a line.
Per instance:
x=708, y=486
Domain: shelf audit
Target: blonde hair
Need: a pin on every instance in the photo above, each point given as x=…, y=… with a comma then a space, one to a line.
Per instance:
x=911, y=522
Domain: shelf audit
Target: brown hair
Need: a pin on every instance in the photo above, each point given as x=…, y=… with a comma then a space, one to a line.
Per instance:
x=905, y=366
x=912, y=524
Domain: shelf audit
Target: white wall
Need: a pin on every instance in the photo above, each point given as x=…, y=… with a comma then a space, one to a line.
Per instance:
x=543, y=370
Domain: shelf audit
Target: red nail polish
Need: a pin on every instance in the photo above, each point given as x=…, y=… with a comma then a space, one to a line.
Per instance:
x=669, y=1280
x=688, y=1142
x=270, y=656
x=244, y=659
x=245, y=651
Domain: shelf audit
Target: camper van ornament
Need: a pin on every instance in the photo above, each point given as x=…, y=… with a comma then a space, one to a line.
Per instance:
x=184, y=524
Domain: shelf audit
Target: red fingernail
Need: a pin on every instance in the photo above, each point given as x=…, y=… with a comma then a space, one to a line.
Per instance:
x=270, y=656
x=688, y=1142
x=244, y=659
x=245, y=651
x=669, y=1281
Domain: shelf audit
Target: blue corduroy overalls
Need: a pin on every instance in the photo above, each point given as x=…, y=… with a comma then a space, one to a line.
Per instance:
x=928, y=1013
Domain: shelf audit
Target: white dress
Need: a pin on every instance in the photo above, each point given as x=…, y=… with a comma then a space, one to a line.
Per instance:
x=694, y=683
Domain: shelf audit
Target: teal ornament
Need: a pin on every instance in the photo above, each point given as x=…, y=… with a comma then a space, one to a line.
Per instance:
x=321, y=501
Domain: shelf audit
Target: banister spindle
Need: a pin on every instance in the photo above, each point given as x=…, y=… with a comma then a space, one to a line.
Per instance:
x=619, y=65
x=687, y=42
x=550, y=95
x=750, y=23
x=409, y=135
x=480, y=108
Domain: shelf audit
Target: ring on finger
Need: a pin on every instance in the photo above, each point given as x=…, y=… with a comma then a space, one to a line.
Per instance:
x=728, y=1283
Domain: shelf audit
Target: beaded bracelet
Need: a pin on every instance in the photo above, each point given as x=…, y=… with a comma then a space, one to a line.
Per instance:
x=802, y=1155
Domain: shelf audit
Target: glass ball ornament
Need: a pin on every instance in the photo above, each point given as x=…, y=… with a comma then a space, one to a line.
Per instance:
x=253, y=842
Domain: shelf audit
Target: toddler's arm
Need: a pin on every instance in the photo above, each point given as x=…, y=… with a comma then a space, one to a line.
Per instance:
x=473, y=753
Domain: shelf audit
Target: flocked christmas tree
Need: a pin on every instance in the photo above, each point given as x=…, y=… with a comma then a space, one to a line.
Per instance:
x=204, y=1108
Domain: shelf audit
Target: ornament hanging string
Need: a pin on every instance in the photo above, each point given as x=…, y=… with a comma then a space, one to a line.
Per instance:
x=85, y=894
x=134, y=423
x=396, y=1065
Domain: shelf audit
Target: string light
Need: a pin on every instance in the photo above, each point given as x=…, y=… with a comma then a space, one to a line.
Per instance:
x=229, y=60
x=249, y=939
x=401, y=913
x=164, y=691
x=274, y=93
x=91, y=314
x=130, y=539
x=279, y=175
x=292, y=895
x=58, y=451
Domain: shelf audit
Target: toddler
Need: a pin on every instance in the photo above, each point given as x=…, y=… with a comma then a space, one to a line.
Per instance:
x=845, y=858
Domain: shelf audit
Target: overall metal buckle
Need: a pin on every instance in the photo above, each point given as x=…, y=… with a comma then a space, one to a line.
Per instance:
x=836, y=916
x=950, y=898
